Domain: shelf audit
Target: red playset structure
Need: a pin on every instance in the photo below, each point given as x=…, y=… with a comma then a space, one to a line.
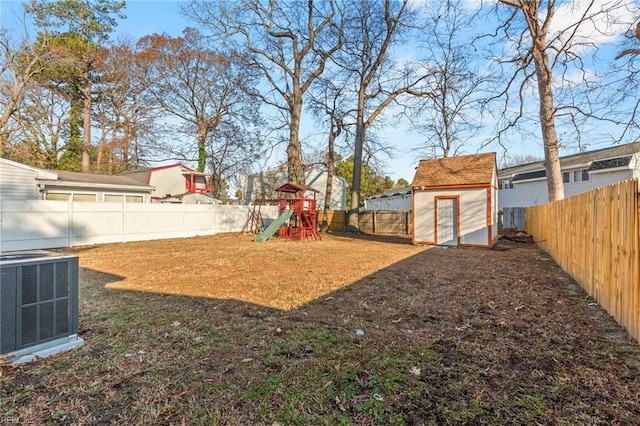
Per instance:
x=297, y=215
x=302, y=223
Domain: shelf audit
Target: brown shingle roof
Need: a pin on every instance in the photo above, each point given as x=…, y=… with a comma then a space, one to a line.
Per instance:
x=452, y=171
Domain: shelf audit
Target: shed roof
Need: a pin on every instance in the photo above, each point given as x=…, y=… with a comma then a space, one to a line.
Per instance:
x=462, y=170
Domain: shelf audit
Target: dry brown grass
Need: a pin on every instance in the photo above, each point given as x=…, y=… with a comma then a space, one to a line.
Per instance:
x=221, y=330
x=279, y=274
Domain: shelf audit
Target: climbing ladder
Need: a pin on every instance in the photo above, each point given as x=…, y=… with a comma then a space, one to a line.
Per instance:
x=254, y=223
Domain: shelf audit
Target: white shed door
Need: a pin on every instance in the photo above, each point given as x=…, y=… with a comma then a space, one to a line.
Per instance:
x=447, y=221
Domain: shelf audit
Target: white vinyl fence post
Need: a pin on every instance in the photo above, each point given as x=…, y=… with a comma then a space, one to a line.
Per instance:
x=70, y=220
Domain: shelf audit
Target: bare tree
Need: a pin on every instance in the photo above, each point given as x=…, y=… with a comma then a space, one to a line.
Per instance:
x=41, y=122
x=448, y=116
x=548, y=47
x=127, y=118
x=18, y=67
x=289, y=42
x=633, y=51
x=626, y=81
x=378, y=81
x=87, y=24
x=204, y=89
x=328, y=104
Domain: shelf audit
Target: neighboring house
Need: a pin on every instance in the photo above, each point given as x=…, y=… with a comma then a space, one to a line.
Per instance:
x=176, y=184
x=396, y=199
x=455, y=201
x=21, y=182
x=263, y=185
x=526, y=184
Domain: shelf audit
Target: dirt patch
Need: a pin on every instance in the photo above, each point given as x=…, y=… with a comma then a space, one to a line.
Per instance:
x=221, y=330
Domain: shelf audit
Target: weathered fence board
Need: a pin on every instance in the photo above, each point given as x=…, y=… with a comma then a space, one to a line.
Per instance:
x=372, y=221
x=513, y=217
x=595, y=237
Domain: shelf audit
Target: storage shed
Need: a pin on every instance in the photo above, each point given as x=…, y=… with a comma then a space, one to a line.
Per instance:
x=455, y=201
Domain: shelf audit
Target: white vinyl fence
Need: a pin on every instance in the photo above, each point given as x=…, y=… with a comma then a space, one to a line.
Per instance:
x=42, y=224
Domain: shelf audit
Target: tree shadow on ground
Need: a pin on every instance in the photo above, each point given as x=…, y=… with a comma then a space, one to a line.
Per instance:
x=397, y=239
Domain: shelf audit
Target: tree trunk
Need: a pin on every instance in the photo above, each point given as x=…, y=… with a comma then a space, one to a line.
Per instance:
x=203, y=130
x=126, y=129
x=52, y=153
x=294, y=154
x=86, y=127
x=555, y=186
x=354, y=208
x=331, y=166
x=101, y=149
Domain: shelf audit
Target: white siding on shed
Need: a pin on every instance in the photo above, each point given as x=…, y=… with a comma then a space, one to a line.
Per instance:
x=472, y=213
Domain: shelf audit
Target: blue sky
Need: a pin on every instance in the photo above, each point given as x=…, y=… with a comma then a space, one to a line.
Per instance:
x=147, y=17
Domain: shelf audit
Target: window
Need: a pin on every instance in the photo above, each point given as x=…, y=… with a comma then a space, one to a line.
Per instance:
x=57, y=196
x=110, y=198
x=566, y=177
x=507, y=184
x=581, y=175
x=134, y=198
x=85, y=197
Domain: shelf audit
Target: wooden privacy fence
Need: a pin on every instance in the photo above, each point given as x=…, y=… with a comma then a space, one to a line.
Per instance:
x=595, y=237
x=372, y=221
x=336, y=219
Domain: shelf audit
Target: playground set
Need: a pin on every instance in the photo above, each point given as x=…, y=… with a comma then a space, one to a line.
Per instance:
x=297, y=215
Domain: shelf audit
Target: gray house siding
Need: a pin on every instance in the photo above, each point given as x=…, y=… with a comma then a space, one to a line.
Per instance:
x=19, y=182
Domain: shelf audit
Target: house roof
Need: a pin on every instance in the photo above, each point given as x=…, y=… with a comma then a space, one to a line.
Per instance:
x=605, y=158
x=462, y=170
x=146, y=172
x=89, y=180
x=183, y=169
x=62, y=178
x=396, y=192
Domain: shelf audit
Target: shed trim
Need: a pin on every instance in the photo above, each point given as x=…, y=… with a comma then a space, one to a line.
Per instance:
x=489, y=216
x=467, y=185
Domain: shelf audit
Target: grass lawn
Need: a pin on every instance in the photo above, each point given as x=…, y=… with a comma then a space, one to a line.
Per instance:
x=221, y=330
